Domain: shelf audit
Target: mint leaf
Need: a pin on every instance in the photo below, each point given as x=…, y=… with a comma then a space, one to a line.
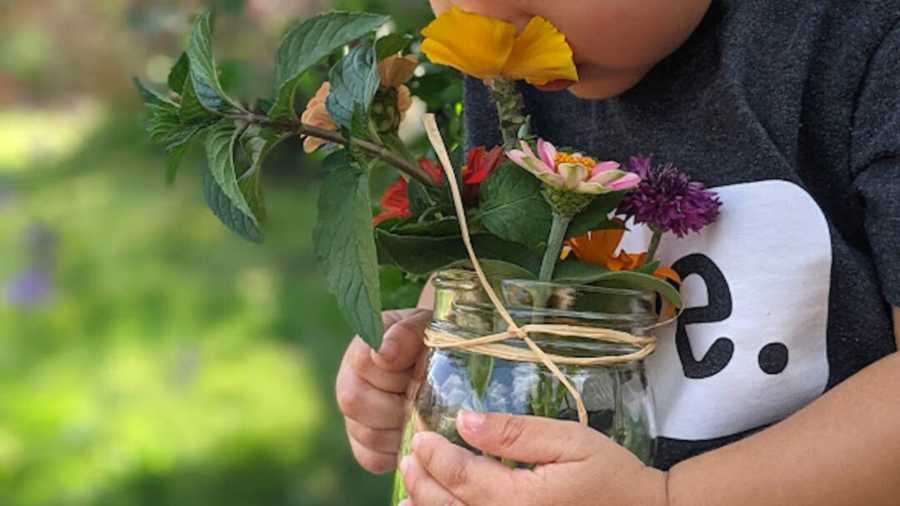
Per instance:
x=192, y=110
x=220, y=145
x=309, y=42
x=392, y=44
x=165, y=128
x=151, y=96
x=513, y=208
x=232, y=217
x=177, y=145
x=354, y=82
x=203, y=70
x=257, y=142
x=345, y=246
x=179, y=73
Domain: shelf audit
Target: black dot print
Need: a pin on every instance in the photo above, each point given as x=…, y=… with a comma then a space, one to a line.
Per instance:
x=773, y=358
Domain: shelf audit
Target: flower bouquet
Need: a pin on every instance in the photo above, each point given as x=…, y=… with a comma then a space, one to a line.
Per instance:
x=537, y=309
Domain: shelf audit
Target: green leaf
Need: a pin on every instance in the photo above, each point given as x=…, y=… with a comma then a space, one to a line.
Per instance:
x=422, y=255
x=585, y=274
x=421, y=198
x=165, y=128
x=151, y=96
x=346, y=249
x=399, y=291
x=192, y=110
x=480, y=369
x=496, y=270
x=354, y=82
x=257, y=142
x=203, y=72
x=392, y=44
x=177, y=146
x=438, y=228
x=162, y=122
x=221, y=205
x=309, y=42
x=179, y=73
x=220, y=145
x=596, y=215
x=513, y=208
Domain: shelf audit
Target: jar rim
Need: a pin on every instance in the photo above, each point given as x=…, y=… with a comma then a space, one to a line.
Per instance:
x=580, y=287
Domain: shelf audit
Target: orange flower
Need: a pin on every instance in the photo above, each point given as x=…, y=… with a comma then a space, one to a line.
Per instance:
x=394, y=71
x=599, y=246
x=596, y=247
x=317, y=115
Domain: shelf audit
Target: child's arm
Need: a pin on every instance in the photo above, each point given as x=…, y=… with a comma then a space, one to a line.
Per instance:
x=842, y=449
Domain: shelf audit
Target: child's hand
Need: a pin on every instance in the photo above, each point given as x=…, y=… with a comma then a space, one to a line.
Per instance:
x=575, y=466
x=372, y=386
x=616, y=42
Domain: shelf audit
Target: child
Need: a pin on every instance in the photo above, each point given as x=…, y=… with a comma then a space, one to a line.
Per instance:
x=792, y=111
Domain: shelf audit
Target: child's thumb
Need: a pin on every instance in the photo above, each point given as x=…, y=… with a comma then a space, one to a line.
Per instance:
x=527, y=439
x=403, y=340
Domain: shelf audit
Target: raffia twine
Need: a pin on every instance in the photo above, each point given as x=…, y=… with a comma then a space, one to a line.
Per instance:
x=492, y=345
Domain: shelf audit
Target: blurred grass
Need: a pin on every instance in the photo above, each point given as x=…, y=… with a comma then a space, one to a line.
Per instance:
x=171, y=363
x=148, y=357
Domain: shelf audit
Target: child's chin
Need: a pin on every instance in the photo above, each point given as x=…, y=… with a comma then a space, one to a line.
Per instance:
x=605, y=84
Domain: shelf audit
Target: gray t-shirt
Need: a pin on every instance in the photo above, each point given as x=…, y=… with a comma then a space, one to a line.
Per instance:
x=791, y=110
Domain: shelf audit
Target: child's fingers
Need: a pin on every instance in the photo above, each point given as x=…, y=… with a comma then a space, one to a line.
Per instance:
x=423, y=490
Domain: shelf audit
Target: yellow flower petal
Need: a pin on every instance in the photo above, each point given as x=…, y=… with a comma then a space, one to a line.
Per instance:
x=396, y=70
x=541, y=55
x=475, y=45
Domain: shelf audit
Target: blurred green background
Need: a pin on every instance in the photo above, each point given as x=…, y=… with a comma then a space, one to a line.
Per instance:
x=147, y=355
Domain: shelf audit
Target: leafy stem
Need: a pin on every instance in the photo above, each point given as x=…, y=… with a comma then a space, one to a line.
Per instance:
x=398, y=161
x=554, y=245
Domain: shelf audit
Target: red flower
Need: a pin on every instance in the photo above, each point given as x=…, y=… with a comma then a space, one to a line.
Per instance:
x=433, y=170
x=394, y=203
x=480, y=164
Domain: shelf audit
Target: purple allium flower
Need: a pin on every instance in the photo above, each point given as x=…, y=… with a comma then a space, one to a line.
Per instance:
x=667, y=200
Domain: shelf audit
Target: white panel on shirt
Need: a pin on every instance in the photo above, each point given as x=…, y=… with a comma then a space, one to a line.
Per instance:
x=770, y=254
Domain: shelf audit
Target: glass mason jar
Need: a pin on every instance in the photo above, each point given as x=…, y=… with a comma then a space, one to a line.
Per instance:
x=617, y=397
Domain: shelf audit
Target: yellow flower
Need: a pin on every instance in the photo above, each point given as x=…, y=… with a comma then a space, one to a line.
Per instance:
x=487, y=48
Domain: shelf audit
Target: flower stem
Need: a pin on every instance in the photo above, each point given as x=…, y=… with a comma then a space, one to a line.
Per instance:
x=510, y=110
x=554, y=246
x=654, y=245
x=398, y=161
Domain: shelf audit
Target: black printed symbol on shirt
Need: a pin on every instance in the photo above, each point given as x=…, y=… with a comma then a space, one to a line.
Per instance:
x=719, y=308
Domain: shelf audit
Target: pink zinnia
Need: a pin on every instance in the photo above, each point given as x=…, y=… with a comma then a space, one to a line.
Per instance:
x=572, y=172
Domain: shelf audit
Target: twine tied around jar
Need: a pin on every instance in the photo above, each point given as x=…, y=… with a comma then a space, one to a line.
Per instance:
x=492, y=345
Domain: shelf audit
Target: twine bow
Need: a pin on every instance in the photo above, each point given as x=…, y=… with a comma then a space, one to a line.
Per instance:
x=492, y=345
